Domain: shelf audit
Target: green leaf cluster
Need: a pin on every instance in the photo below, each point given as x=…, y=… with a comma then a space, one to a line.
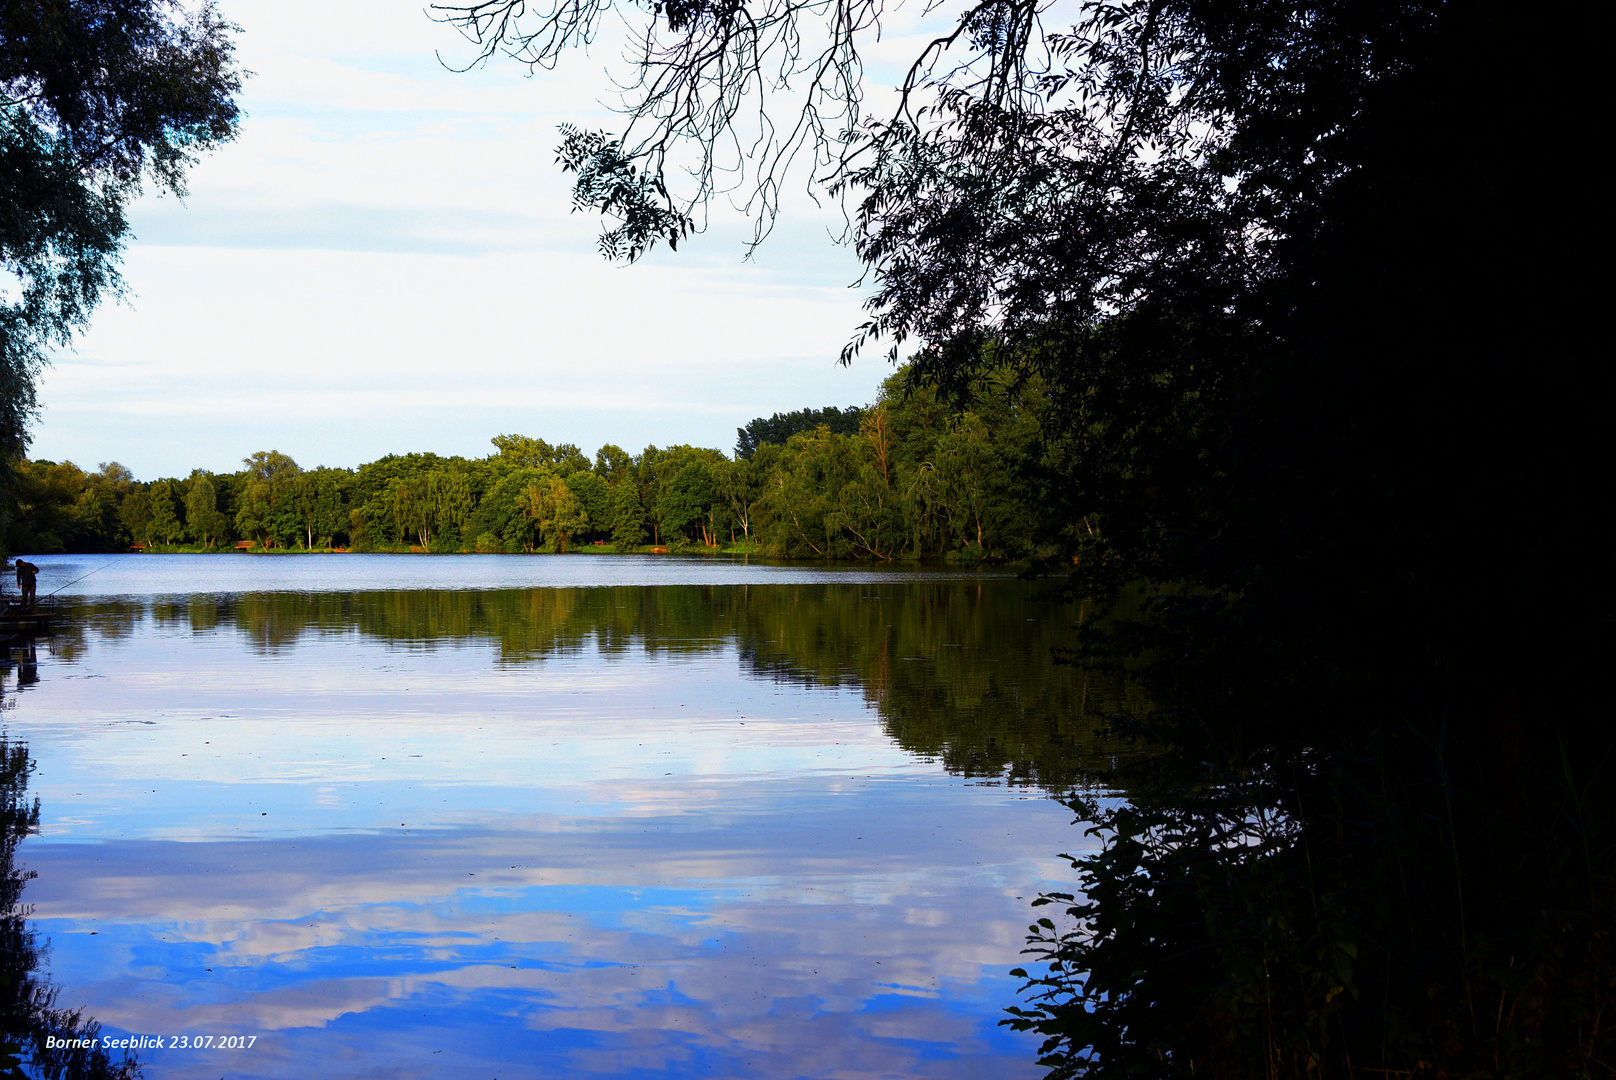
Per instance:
x=915, y=475
x=94, y=97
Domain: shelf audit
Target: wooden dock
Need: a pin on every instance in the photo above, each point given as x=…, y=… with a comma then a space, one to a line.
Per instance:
x=17, y=620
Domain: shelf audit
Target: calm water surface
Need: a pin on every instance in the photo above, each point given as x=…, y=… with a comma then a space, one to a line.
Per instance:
x=549, y=816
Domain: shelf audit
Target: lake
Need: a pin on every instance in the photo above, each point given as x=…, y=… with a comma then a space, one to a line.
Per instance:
x=506, y=816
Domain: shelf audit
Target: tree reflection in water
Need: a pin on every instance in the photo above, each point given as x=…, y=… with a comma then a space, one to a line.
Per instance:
x=37, y=1038
x=959, y=672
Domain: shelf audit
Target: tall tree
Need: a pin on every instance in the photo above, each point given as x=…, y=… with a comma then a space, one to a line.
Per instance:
x=96, y=96
x=408, y=514
x=135, y=514
x=564, y=514
x=628, y=516
x=612, y=462
x=448, y=494
x=740, y=484
x=266, y=510
x=1287, y=294
x=165, y=526
x=300, y=498
x=331, y=517
x=202, y=518
x=687, y=501
x=595, y=496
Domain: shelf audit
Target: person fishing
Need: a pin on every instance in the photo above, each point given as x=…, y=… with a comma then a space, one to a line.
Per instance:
x=27, y=582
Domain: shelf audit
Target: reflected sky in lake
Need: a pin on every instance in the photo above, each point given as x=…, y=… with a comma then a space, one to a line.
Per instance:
x=142, y=575
x=660, y=827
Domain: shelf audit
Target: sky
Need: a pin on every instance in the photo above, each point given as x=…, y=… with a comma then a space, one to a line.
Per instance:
x=385, y=261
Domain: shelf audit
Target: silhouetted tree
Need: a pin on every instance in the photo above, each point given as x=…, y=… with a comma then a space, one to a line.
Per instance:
x=1301, y=321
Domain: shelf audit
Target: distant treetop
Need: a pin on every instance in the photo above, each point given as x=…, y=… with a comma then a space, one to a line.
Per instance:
x=781, y=426
x=524, y=451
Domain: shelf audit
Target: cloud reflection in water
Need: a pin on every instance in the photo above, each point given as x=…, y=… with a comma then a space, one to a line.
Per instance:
x=575, y=876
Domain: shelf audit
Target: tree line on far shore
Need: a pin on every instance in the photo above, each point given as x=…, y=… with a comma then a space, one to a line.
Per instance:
x=913, y=476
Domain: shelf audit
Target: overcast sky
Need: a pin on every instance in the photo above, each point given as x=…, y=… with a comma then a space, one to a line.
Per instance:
x=385, y=261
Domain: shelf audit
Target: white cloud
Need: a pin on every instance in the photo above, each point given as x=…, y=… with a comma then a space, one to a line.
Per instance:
x=385, y=261
x=737, y=937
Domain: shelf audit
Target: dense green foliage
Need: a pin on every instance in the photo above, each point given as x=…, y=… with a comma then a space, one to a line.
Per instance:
x=1296, y=298
x=780, y=427
x=95, y=95
x=914, y=478
x=1294, y=353
x=1305, y=286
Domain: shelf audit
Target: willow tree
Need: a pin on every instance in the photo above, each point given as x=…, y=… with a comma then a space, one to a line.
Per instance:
x=96, y=99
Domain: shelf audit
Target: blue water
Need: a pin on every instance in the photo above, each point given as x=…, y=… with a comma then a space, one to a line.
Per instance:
x=401, y=855
x=171, y=575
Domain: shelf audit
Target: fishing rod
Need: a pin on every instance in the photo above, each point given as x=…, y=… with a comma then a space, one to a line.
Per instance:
x=76, y=580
